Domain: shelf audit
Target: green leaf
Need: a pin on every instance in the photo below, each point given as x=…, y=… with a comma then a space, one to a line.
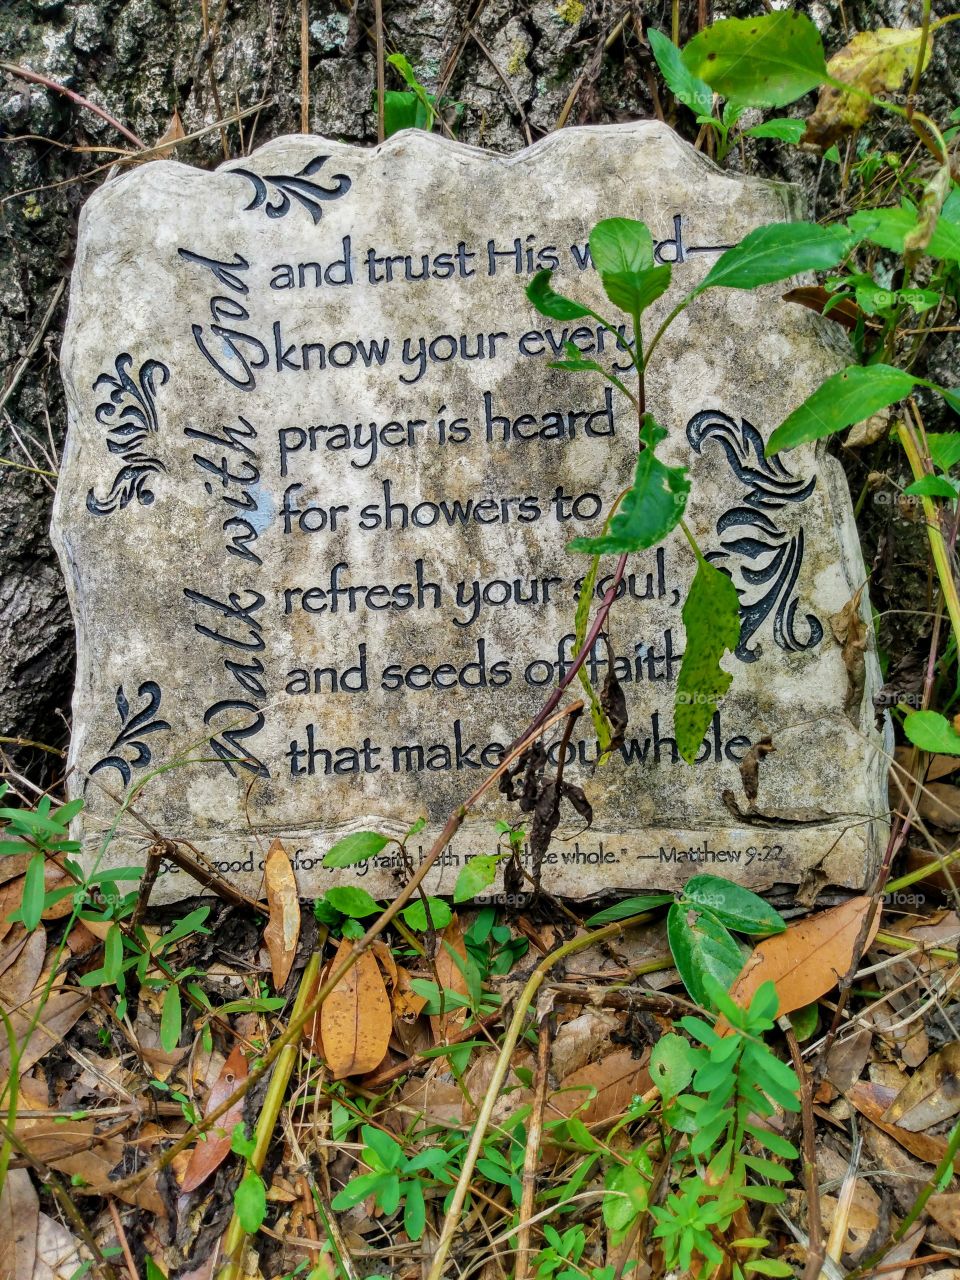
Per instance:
x=654, y=505
x=944, y=449
x=387, y=1152
x=711, y=618
x=153, y=1270
x=630, y=1194
x=552, y=304
x=170, y=1019
x=621, y=245
x=357, y=847
x=766, y=61
x=352, y=902
x=112, y=954
x=768, y=1267
x=733, y=905
x=634, y=291
x=31, y=899
x=628, y=907
x=577, y=362
x=776, y=252
x=478, y=874
x=701, y=945
x=673, y=1061
x=678, y=77
x=416, y=916
x=357, y=1189
x=852, y=395
x=932, y=487
x=930, y=731
x=414, y=1210
x=804, y=1021
x=773, y=1142
x=785, y=130
x=250, y=1202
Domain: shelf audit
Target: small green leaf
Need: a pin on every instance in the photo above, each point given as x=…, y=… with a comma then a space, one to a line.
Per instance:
x=478, y=874
x=930, y=731
x=711, y=618
x=31, y=899
x=784, y=130
x=382, y=1147
x=416, y=916
x=733, y=905
x=621, y=245
x=673, y=1061
x=804, y=1021
x=112, y=954
x=701, y=945
x=170, y=1019
x=414, y=1210
x=634, y=291
x=654, y=505
x=767, y=61
x=352, y=902
x=628, y=907
x=679, y=79
x=250, y=1202
x=852, y=395
x=552, y=304
x=776, y=252
x=357, y=847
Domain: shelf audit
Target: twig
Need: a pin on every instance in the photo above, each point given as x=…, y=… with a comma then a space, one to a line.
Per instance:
x=531, y=1156
x=381, y=71
x=23, y=363
x=122, y=1240
x=815, y=1250
x=24, y=73
x=304, y=66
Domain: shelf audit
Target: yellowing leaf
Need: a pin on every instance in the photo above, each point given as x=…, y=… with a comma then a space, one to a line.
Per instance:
x=283, y=928
x=874, y=62
x=355, y=1020
x=808, y=959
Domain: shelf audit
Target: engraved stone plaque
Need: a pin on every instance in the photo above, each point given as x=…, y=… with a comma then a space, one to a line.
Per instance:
x=318, y=486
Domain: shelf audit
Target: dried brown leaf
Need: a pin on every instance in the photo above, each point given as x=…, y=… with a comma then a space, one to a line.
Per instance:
x=944, y=1209
x=873, y=1100
x=939, y=803
x=615, y=1078
x=18, y=982
x=19, y=1220
x=209, y=1154
x=283, y=927
x=355, y=1020
x=451, y=979
x=931, y=1095
x=808, y=958
x=60, y=1012
x=816, y=298
x=850, y=632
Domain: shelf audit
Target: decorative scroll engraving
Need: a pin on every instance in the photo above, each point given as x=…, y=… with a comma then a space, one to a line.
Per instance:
x=133, y=729
x=309, y=194
x=774, y=557
x=128, y=430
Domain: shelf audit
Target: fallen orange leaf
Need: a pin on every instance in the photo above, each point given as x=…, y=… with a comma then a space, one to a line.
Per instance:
x=355, y=1020
x=283, y=927
x=210, y=1153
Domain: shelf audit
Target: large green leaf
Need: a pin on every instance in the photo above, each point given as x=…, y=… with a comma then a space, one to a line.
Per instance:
x=711, y=618
x=250, y=1202
x=552, y=304
x=679, y=79
x=634, y=291
x=766, y=61
x=784, y=129
x=889, y=228
x=932, y=732
x=353, y=902
x=653, y=506
x=733, y=905
x=702, y=946
x=850, y=396
x=776, y=252
x=357, y=847
x=621, y=244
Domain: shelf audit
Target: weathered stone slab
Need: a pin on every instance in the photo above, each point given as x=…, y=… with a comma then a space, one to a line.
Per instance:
x=317, y=490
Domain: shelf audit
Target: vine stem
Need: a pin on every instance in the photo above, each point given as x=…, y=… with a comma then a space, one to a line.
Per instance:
x=235, y=1236
x=500, y=1070
x=24, y=73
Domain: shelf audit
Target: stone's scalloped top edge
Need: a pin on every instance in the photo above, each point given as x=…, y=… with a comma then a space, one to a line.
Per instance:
x=398, y=142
